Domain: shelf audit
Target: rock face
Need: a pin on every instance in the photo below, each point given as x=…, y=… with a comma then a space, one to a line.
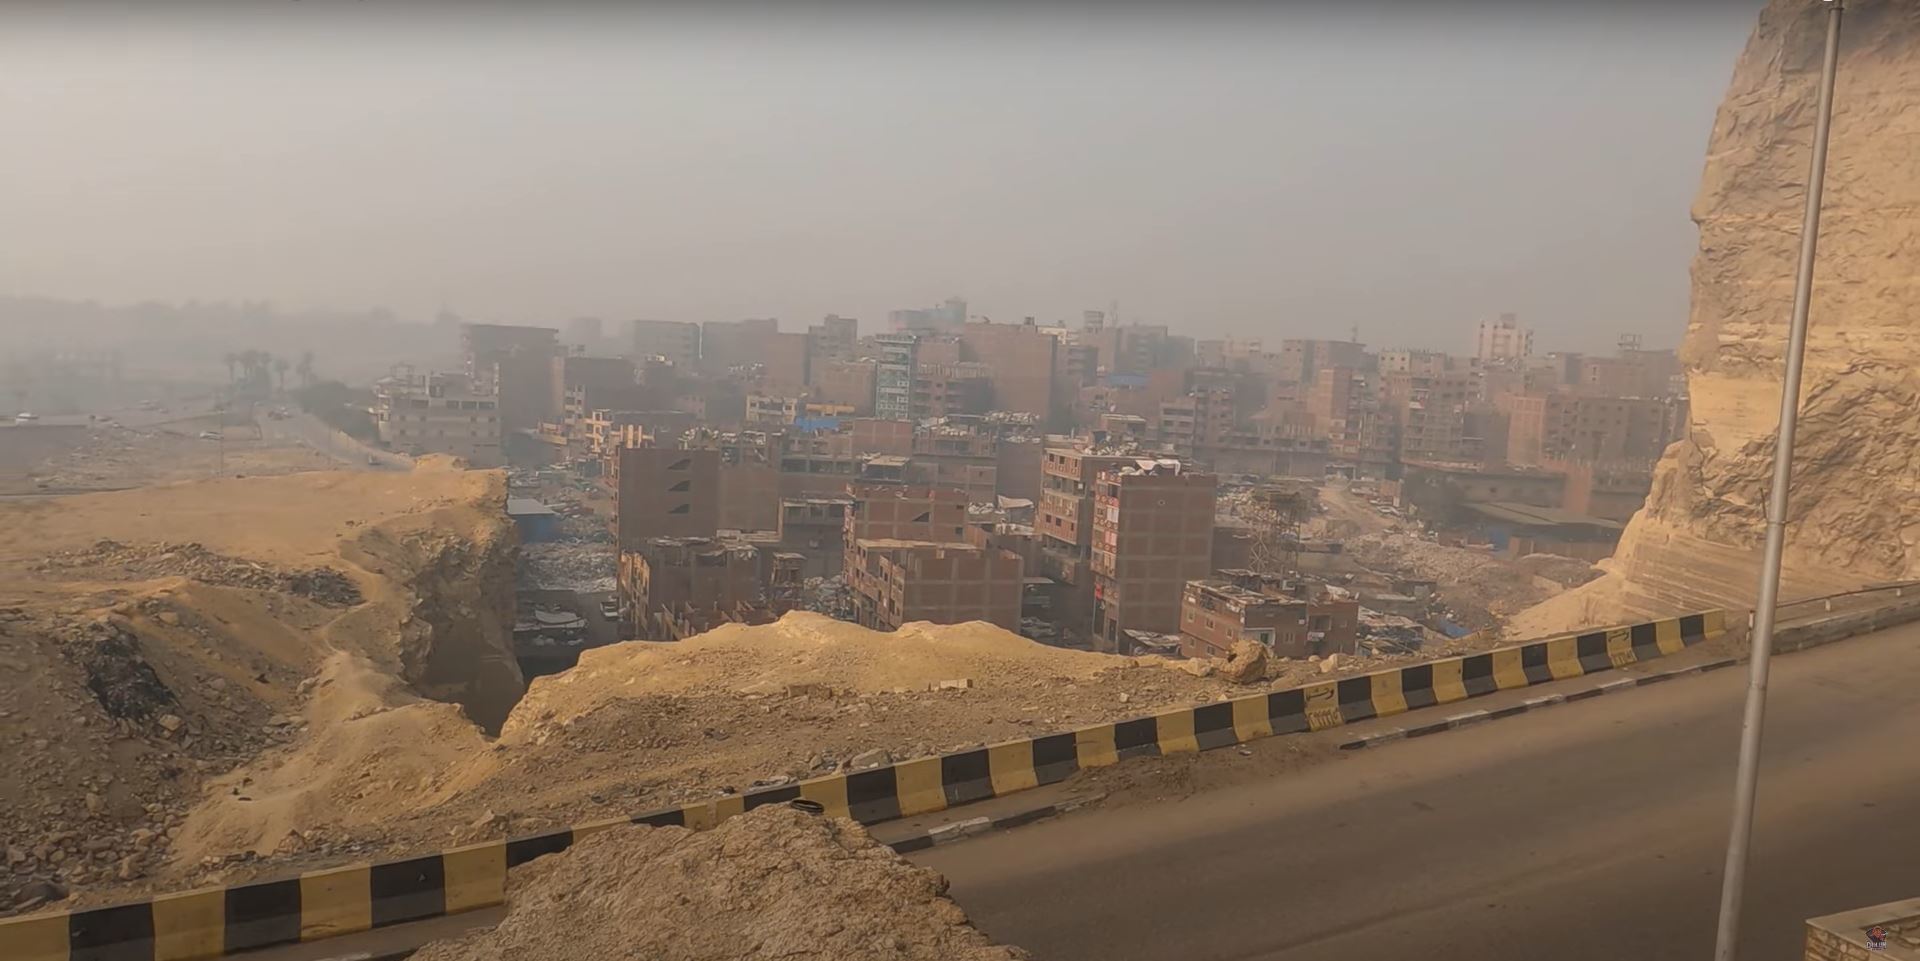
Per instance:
x=1854, y=516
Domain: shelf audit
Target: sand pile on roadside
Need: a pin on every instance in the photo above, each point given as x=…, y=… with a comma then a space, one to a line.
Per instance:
x=774, y=883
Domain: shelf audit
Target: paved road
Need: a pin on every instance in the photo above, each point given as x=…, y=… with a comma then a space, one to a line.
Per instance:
x=1590, y=831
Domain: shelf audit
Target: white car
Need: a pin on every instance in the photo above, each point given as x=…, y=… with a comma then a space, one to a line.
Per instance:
x=209, y=435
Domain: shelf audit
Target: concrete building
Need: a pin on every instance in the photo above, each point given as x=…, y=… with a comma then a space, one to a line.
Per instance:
x=942, y=389
x=1503, y=340
x=834, y=338
x=731, y=343
x=896, y=582
x=419, y=412
x=847, y=382
x=483, y=344
x=815, y=527
x=1301, y=361
x=1152, y=533
x=607, y=431
x=676, y=342
x=771, y=413
x=948, y=317
x=1427, y=363
x=583, y=380
x=1562, y=426
x=1023, y=361
x=893, y=376
x=665, y=492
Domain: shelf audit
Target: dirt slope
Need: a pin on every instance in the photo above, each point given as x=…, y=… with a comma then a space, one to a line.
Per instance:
x=771, y=884
x=152, y=639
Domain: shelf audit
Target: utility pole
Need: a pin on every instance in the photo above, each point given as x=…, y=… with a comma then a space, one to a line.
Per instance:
x=1733, y=881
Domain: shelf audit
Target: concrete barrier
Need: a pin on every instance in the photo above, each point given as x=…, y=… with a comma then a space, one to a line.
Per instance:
x=221, y=921
x=1814, y=632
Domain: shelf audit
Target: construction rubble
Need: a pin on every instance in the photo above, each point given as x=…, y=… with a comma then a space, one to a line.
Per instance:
x=586, y=567
x=774, y=884
x=110, y=560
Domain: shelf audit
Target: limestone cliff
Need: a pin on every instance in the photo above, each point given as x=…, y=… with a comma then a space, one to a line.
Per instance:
x=1854, y=516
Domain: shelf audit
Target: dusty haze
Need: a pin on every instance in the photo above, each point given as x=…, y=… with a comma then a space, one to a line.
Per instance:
x=1291, y=172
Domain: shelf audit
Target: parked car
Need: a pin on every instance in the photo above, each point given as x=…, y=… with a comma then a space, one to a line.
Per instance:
x=610, y=609
x=209, y=435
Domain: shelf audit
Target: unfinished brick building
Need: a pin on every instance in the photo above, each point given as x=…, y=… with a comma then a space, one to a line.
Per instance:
x=1152, y=533
x=895, y=582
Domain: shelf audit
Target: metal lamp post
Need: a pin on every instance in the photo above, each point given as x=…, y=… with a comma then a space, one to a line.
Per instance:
x=1733, y=882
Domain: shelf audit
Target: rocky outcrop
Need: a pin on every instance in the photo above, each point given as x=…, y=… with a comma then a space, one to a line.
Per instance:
x=1854, y=516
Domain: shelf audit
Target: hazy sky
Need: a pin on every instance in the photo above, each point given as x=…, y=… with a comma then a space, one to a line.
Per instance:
x=1288, y=170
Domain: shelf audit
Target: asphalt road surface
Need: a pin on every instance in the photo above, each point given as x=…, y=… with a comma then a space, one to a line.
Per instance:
x=1590, y=831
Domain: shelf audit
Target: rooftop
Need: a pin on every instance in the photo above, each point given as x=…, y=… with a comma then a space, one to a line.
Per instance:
x=1527, y=514
x=527, y=507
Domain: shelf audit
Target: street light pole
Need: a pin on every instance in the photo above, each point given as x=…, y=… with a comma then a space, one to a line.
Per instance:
x=1733, y=881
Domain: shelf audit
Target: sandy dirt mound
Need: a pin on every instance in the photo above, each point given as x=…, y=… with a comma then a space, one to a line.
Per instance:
x=774, y=883
x=153, y=640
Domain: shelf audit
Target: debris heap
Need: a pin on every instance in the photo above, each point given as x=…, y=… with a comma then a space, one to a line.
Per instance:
x=774, y=883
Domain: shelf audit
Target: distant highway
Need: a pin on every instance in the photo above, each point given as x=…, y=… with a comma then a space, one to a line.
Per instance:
x=1588, y=832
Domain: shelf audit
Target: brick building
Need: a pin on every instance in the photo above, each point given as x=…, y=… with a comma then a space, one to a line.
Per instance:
x=665, y=492
x=895, y=582
x=1152, y=532
x=1236, y=603
x=848, y=382
x=816, y=528
x=1023, y=361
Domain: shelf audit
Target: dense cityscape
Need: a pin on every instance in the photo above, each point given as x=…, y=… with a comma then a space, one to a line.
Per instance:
x=1117, y=487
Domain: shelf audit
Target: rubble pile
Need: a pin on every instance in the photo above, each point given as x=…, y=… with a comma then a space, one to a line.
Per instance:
x=774, y=884
x=1476, y=589
x=828, y=595
x=561, y=566
x=113, y=560
x=80, y=822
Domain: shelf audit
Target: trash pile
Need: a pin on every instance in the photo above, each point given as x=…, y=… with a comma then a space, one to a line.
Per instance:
x=560, y=566
x=112, y=560
x=828, y=595
x=774, y=884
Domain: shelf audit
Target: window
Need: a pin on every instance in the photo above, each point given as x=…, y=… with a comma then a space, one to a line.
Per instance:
x=682, y=464
x=924, y=517
x=682, y=486
x=682, y=509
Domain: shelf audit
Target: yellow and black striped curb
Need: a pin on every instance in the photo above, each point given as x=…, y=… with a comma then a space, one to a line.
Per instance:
x=1471, y=718
x=216, y=922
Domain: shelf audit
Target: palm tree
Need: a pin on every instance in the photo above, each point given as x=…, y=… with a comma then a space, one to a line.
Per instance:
x=305, y=368
x=280, y=366
x=232, y=360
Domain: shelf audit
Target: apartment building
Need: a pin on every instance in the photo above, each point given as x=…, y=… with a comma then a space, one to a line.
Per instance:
x=678, y=343
x=1242, y=604
x=1503, y=340
x=665, y=492
x=816, y=528
x=1063, y=523
x=896, y=582
x=420, y=412
x=1152, y=533
x=893, y=376
x=834, y=338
